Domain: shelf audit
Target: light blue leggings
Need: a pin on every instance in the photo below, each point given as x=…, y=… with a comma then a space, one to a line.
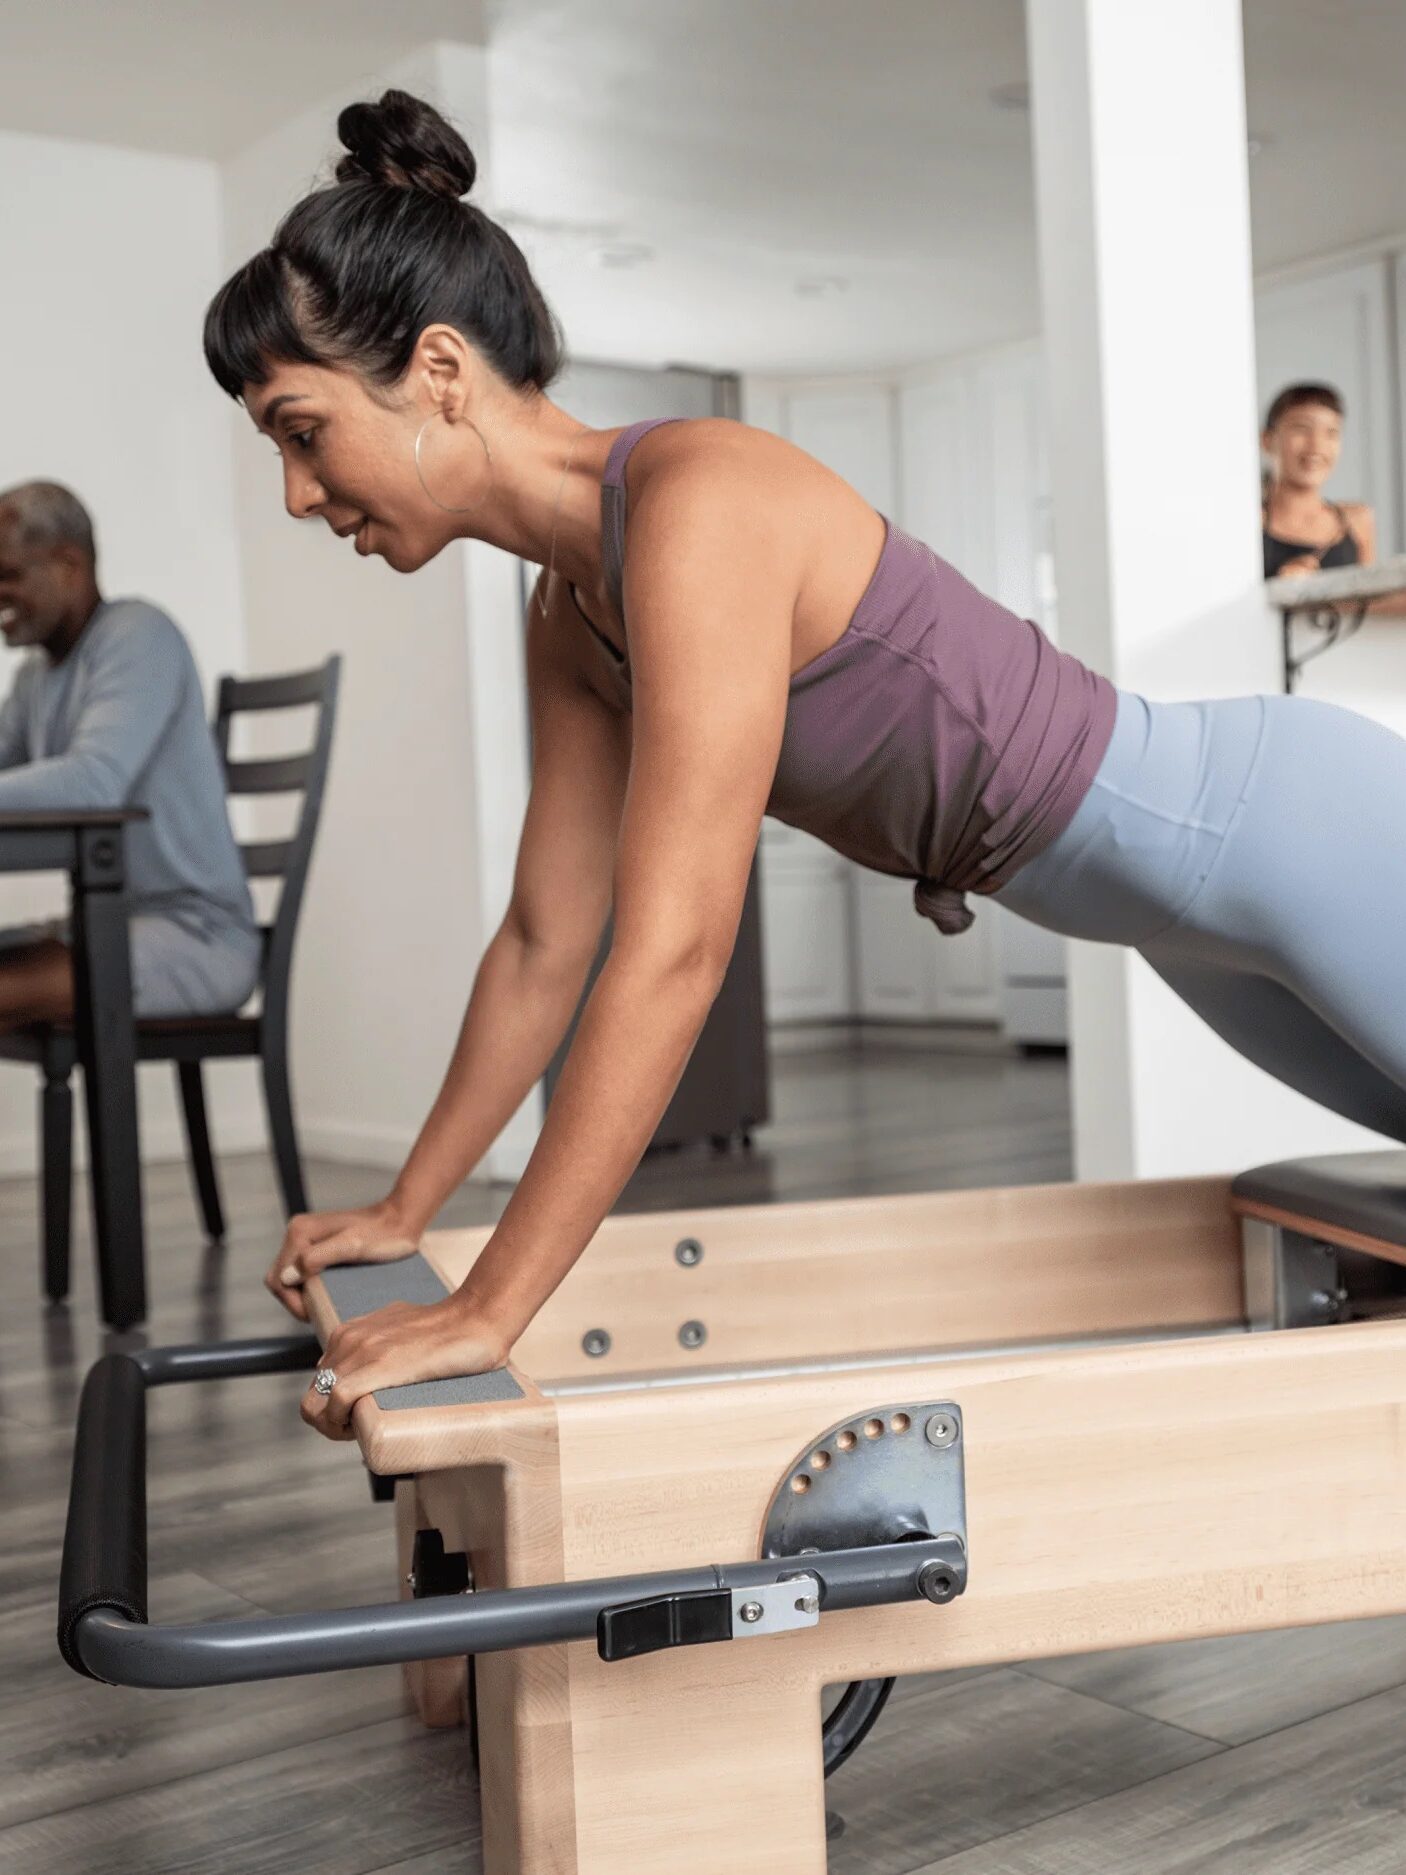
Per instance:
x=1254, y=852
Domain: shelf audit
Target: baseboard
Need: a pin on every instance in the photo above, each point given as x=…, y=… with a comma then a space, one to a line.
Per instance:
x=806, y=1038
x=347, y=1142
x=975, y=1038
x=162, y=1144
x=947, y=1038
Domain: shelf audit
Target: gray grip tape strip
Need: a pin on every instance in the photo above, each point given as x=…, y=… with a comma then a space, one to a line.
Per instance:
x=359, y=1288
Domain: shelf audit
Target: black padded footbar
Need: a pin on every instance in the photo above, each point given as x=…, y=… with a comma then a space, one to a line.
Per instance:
x=359, y=1288
x=1357, y=1191
x=104, y=1550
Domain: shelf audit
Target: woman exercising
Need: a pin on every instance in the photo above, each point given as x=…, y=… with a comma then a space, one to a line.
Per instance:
x=723, y=629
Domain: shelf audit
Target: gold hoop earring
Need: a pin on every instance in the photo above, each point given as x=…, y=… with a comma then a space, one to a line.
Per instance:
x=419, y=469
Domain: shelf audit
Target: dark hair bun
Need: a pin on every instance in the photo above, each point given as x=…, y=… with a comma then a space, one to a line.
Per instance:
x=404, y=143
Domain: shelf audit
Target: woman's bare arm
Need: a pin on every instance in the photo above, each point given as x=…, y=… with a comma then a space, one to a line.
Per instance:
x=1362, y=525
x=710, y=592
x=531, y=976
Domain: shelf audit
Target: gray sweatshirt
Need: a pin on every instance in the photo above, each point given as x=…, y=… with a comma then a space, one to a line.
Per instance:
x=121, y=723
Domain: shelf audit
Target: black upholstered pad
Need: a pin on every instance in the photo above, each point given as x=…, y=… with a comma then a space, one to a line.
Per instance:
x=358, y=1288
x=1357, y=1191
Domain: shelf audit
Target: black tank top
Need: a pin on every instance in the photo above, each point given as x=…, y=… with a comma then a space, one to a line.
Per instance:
x=1341, y=552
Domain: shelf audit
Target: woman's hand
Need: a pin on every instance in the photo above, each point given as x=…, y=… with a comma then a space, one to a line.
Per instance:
x=396, y=1346
x=378, y=1233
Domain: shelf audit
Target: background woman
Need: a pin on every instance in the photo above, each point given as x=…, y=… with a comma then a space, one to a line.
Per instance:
x=1303, y=531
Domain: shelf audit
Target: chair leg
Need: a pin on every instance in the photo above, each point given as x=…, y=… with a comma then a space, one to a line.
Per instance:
x=56, y=1201
x=278, y=1098
x=202, y=1161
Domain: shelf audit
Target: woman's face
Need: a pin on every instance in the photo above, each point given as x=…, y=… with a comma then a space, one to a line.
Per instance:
x=349, y=459
x=1305, y=444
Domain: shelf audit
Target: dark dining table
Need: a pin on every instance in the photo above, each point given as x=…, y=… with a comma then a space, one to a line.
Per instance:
x=89, y=846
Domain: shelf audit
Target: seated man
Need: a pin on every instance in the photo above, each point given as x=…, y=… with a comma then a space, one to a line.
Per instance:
x=106, y=711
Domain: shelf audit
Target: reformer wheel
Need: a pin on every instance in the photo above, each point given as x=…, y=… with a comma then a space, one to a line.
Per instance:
x=851, y=1719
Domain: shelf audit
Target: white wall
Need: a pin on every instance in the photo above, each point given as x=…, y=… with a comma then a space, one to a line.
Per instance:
x=425, y=794
x=109, y=259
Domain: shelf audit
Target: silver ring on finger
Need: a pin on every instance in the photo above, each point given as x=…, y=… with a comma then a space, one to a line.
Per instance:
x=323, y=1381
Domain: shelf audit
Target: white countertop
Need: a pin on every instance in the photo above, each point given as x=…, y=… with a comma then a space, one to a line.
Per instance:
x=1339, y=583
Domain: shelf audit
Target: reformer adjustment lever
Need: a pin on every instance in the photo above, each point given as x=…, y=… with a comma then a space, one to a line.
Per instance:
x=691, y=1620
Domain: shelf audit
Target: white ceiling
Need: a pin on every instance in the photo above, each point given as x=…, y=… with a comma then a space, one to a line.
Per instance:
x=753, y=149
x=199, y=77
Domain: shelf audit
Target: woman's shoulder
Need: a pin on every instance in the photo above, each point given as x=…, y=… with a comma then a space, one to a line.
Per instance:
x=1361, y=524
x=722, y=444
x=727, y=463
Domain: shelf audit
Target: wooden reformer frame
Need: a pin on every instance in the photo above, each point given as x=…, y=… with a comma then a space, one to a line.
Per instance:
x=1137, y=1469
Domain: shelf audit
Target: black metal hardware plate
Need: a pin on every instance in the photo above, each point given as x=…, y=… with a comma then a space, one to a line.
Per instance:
x=877, y=1477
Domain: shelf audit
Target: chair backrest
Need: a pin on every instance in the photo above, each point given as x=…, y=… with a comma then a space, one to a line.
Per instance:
x=306, y=775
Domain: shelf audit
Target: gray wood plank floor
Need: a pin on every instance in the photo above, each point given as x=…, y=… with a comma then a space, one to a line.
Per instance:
x=1264, y=1755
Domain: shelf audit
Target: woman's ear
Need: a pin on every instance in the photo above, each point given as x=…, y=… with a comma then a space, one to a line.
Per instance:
x=442, y=368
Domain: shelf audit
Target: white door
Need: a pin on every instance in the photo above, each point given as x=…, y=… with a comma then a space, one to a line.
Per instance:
x=808, y=946
x=957, y=467
x=1033, y=979
x=910, y=972
x=805, y=933
x=966, y=979
x=935, y=453
x=894, y=974
x=851, y=432
x=1008, y=399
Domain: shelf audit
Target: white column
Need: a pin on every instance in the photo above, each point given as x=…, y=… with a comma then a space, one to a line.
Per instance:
x=1143, y=199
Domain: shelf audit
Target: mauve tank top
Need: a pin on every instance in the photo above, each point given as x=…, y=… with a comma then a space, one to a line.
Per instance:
x=940, y=738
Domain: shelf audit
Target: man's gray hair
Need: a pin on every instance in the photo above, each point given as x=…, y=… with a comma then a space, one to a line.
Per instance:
x=46, y=514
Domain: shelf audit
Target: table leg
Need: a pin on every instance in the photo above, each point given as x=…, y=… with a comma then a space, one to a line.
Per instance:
x=107, y=1042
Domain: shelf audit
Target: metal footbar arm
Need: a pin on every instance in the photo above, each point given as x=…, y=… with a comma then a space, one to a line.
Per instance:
x=103, y=1629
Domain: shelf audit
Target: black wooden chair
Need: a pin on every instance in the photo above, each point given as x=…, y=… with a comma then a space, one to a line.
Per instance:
x=189, y=1041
